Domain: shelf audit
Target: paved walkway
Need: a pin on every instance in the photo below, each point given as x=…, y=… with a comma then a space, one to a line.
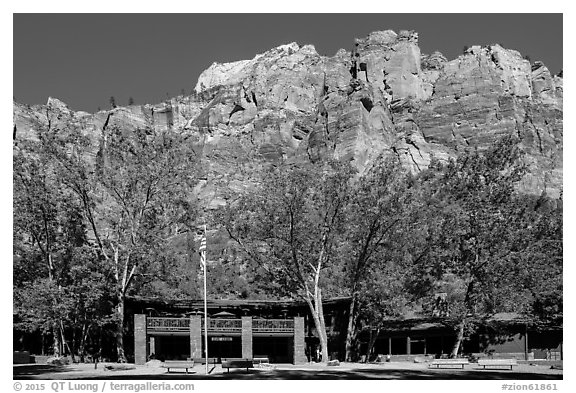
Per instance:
x=393, y=370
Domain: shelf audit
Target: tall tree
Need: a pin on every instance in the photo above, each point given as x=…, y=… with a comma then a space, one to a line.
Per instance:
x=382, y=296
x=537, y=256
x=377, y=216
x=42, y=213
x=289, y=226
x=135, y=200
x=469, y=205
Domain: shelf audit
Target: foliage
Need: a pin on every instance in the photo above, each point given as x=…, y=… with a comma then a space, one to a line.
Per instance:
x=290, y=226
x=470, y=234
x=95, y=230
x=53, y=263
x=376, y=233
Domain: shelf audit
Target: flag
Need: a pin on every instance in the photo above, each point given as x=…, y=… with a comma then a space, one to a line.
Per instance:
x=202, y=250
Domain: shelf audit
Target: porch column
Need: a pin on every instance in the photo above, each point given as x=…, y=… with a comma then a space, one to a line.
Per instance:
x=442, y=344
x=140, y=347
x=408, y=345
x=526, y=348
x=389, y=345
x=196, y=337
x=152, y=346
x=299, y=342
x=247, y=337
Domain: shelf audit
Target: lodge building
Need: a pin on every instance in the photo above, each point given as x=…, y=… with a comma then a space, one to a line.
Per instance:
x=284, y=332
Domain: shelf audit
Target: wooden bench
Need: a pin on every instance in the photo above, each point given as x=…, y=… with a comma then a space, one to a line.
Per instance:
x=496, y=363
x=237, y=363
x=178, y=364
x=449, y=363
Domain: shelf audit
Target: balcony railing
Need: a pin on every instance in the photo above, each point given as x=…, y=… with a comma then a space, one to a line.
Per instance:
x=273, y=325
x=223, y=325
x=215, y=325
x=168, y=324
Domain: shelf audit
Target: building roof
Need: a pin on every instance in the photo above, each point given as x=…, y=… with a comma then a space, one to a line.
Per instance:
x=239, y=303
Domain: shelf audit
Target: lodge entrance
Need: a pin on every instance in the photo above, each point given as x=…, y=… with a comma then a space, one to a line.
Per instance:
x=281, y=340
x=223, y=347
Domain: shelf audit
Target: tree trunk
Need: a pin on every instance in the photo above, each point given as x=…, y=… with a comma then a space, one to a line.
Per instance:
x=320, y=327
x=371, y=343
x=351, y=332
x=324, y=336
x=65, y=343
x=458, y=341
x=56, y=342
x=120, y=329
x=82, y=348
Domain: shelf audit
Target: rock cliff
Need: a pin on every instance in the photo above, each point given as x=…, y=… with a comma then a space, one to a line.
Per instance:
x=291, y=104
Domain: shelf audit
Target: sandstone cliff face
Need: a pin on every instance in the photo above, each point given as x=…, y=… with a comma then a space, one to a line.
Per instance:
x=384, y=96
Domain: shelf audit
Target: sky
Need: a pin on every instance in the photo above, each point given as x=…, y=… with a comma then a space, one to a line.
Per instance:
x=84, y=59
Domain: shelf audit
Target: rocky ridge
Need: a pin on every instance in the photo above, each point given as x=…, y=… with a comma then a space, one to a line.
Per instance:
x=291, y=104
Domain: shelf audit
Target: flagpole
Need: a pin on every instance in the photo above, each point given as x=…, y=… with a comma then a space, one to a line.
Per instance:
x=205, y=306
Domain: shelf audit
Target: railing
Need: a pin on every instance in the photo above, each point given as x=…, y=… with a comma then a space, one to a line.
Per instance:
x=215, y=325
x=168, y=324
x=223, y=325
x=273, y=325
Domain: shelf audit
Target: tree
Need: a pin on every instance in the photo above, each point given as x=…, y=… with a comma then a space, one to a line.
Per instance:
x=382, y=296
x=135, y=200
x=537, y=256
x=470, y=233
x=130, y=101
x=112, y=102
x=41, y=211
x=377, y=215
x=289, y=227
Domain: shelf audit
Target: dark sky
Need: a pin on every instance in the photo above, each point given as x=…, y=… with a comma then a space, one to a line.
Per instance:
x=83, y=59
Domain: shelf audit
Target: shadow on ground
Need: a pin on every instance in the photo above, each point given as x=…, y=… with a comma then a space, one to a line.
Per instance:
x=41, y=372
x=21, y=371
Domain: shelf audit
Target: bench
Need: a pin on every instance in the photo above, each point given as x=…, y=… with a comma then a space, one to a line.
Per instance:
x=496, y=363
x=259, y=359
x=449, y=363
x=178, y=364
x=237, y=363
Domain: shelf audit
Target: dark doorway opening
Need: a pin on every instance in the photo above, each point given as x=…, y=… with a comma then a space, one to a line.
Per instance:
x=277, y=349
x=172, y=347
x=224, y=347
x=418, y=346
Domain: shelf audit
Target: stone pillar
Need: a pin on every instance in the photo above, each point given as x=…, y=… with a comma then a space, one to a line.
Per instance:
x=140, y=347
x=152, y=345
x=196, y=337
x=299, y=342
x=247, y=337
